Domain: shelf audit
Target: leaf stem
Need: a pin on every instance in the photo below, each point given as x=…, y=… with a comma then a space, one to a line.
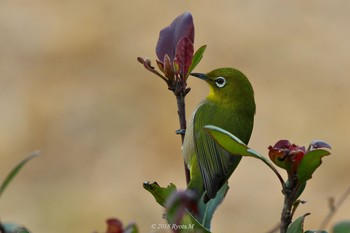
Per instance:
x=267, y=162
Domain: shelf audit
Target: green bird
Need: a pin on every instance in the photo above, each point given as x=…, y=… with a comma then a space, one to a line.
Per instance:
x=230, y=105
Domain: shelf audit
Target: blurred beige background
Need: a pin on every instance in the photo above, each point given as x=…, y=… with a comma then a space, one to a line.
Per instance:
x=71, y=87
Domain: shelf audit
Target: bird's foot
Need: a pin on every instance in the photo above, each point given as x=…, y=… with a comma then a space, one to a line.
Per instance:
x=180, y=131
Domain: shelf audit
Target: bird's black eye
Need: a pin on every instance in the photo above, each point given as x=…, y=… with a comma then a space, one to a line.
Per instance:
x=220, y=82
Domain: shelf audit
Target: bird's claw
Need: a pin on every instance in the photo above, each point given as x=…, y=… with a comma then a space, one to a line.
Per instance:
x=180, y=131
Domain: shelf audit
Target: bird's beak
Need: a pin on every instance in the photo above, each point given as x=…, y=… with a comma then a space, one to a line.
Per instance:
x=201, y=76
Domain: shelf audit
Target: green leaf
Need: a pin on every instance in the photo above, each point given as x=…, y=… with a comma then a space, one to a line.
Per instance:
x=235, y=146
x=342, y=227
x=297, y=226
x=14, y=228
x=131, y=228
x=310, y=162
x=159, y=193
x=231, y=143
x=197, y=57
x=207, y=210
x=15, y=171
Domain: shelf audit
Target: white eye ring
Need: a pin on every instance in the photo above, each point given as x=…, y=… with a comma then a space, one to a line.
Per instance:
x=220, y=82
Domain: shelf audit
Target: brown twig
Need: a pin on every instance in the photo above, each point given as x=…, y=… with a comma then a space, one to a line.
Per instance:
x=334, y=207
x=178, y=85
x=274, y=229
x=180, y=99
x=290, y=192
x=180, y=90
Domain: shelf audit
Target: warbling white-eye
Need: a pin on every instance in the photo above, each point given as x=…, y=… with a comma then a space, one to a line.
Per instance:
x=230, y=105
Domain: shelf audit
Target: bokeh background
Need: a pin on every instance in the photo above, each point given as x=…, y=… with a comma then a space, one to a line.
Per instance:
x=71, y=87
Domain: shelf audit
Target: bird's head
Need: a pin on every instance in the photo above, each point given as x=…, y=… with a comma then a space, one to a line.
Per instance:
x=228, y=85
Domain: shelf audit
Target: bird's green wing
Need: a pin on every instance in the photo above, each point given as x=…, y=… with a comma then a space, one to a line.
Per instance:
x=216, y=165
